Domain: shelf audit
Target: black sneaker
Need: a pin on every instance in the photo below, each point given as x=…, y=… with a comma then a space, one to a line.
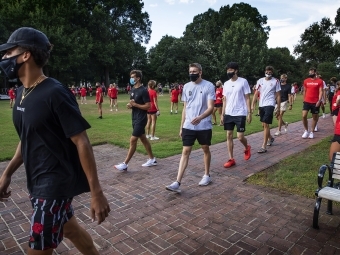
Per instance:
x=270, y=142
x=100, y=117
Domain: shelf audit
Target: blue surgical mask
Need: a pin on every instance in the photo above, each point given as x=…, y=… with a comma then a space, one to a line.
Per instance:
x=132, y=81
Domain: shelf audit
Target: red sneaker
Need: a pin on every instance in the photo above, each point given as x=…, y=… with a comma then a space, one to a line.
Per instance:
x=231, y=162
x=247, y=153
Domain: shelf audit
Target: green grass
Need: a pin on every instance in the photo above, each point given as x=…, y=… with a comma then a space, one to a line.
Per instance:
x=296, y=174
x=115, y=127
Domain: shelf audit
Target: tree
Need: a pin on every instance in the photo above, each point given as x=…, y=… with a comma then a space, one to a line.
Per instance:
x=246, y=44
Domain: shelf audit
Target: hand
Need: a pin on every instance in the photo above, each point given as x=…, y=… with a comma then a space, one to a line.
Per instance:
x=99, y=208
x=4, y=184
x=222, y=120
x=96, y=102
x=132, y=102
x=129, y=106
x=158, y=113
x=249, y=118
x=317, y=104
x=196, y=121
x=180, y=133
x=277, y=114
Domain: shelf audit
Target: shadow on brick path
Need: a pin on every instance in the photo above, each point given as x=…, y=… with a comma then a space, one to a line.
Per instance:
x=227, y=217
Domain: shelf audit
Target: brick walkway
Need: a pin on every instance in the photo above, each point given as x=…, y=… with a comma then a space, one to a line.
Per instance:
x=227, y=217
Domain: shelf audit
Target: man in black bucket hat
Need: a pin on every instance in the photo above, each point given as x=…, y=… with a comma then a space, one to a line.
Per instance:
x=53, y=146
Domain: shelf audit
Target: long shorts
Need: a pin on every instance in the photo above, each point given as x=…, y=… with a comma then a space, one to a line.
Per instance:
x=189, y=137
x=335, y=112
x=312, y=107
x=138, y=129
x=266, y=114
x=47, y=222
x=231, y=121
x=336, y=138
x=283, y=107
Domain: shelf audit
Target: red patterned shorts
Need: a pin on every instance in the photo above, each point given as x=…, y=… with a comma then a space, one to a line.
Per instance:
x=47, y=222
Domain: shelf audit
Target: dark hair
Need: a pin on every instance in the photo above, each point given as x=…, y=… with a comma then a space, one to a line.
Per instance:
x=333, y=79
x=232, y=65
x=269, y=68
x=312, y=68
x=138, y=74
x=40, y=56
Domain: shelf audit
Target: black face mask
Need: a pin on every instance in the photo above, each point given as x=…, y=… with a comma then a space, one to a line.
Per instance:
x=230, y=75
x=194, y=76
x=10, y=67
x=311, y=75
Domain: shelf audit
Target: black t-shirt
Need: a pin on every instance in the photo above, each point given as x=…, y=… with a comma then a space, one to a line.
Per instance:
x=141, y=96
x=285, y=92
x=45, y=121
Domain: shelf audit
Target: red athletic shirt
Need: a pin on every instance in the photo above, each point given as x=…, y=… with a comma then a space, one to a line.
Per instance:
x=83, y=92
x=114, y=92
x=312, y=87
x=152, y=95
x=11, y=94
x=74, y=92
x=174, y=95
x=219, y=96
x=99, y=95
x=334, y=100
x=337, y=125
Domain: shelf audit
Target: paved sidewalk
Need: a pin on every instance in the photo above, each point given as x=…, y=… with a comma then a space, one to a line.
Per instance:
x=227, y=217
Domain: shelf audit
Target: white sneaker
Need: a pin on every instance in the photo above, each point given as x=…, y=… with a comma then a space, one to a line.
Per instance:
x=316, y=128
x=311, y=135
x=121, y=167
x=148, y=136
x=173, y=187
x=116, y=110
x=150, y=162
x=286, y=127
x=323, y=115
x=305, y=134
x=277, y=133
x=111, y=110
x=154, y=138
x=205, y=180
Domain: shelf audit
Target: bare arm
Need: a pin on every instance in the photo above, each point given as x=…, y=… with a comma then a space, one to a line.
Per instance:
x=247, y=96
x=183, y=118
x=254, y=100
x=99, y=205
x=224, y=103
x=144, y=107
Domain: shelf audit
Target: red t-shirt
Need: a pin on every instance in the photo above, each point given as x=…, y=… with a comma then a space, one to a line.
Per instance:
x=312, y=88
x=74, y=92
x=11, y=94
x=219, y=96
x=99, y=95
x=114, y=92
x=83, y=92
x=334, y=100
x=152, y=95
x=174, y=95
x=337, y=125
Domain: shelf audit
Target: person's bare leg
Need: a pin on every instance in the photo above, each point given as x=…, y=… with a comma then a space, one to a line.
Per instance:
x=79, y=237
x=242, y=139
x=147, y=145
x=230, y=143
x=183, y=163
x=314, y=121
x=266, y=135
x=335, y=147
x=214, y=114
x=147, y=127
x=153, y=124
x=207, y=158
x=304, y=119
x=132, y=148
x=280, y=121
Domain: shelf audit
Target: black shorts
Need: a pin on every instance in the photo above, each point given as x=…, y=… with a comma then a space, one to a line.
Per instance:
x=138, y=129
x=336, y=138
x=189, y=137
x=153, y=112
x=266, y=114
x=231, y=121
x=218, y=105
x=47, y=222
x=312, y=107
x=113, y=97
x=335, y=112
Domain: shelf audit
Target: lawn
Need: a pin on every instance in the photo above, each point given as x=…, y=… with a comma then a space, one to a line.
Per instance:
x=115, y=127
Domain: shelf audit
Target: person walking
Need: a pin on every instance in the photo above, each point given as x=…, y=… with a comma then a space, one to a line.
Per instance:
x=139, y=104
x=269, y=87
x=286, y=99
x=312, y=97
x=198, y=97
x=236, y=111
x=99, y=99
x=57, y=156
x=218, y=102
x=153, y=112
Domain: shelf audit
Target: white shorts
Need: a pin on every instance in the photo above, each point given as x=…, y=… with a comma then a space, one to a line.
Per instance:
x=283, y=107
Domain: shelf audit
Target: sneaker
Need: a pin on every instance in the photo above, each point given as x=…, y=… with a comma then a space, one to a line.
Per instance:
x=174, y=186
x=148, y=136
x=100, y=117
x=286, y=127
x=270, y=141
x=316, y=128
x=311, y=135
x=247, y=153
x=231, y=162
x=111, y=110
x=150, y=162
x=305, y=134
x=121, y=167
x=323, y=115
x=175, y=112
x=277, y=133
x=116, y=110
x=154, y=138
x=205, y=180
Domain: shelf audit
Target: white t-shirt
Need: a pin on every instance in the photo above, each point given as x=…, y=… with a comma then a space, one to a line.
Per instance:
x=292, y=90
x=235, y=92
x=268, y=89
x=196, y=97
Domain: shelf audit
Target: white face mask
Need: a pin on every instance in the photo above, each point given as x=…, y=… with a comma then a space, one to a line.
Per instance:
x=268, y=75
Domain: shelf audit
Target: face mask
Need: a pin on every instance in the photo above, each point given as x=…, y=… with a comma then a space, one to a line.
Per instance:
x=230, y=75
x=10, y=66
x=282, y=81
x=132, y=81
x=194, y=76
x=311, y=75
x=268, y=75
